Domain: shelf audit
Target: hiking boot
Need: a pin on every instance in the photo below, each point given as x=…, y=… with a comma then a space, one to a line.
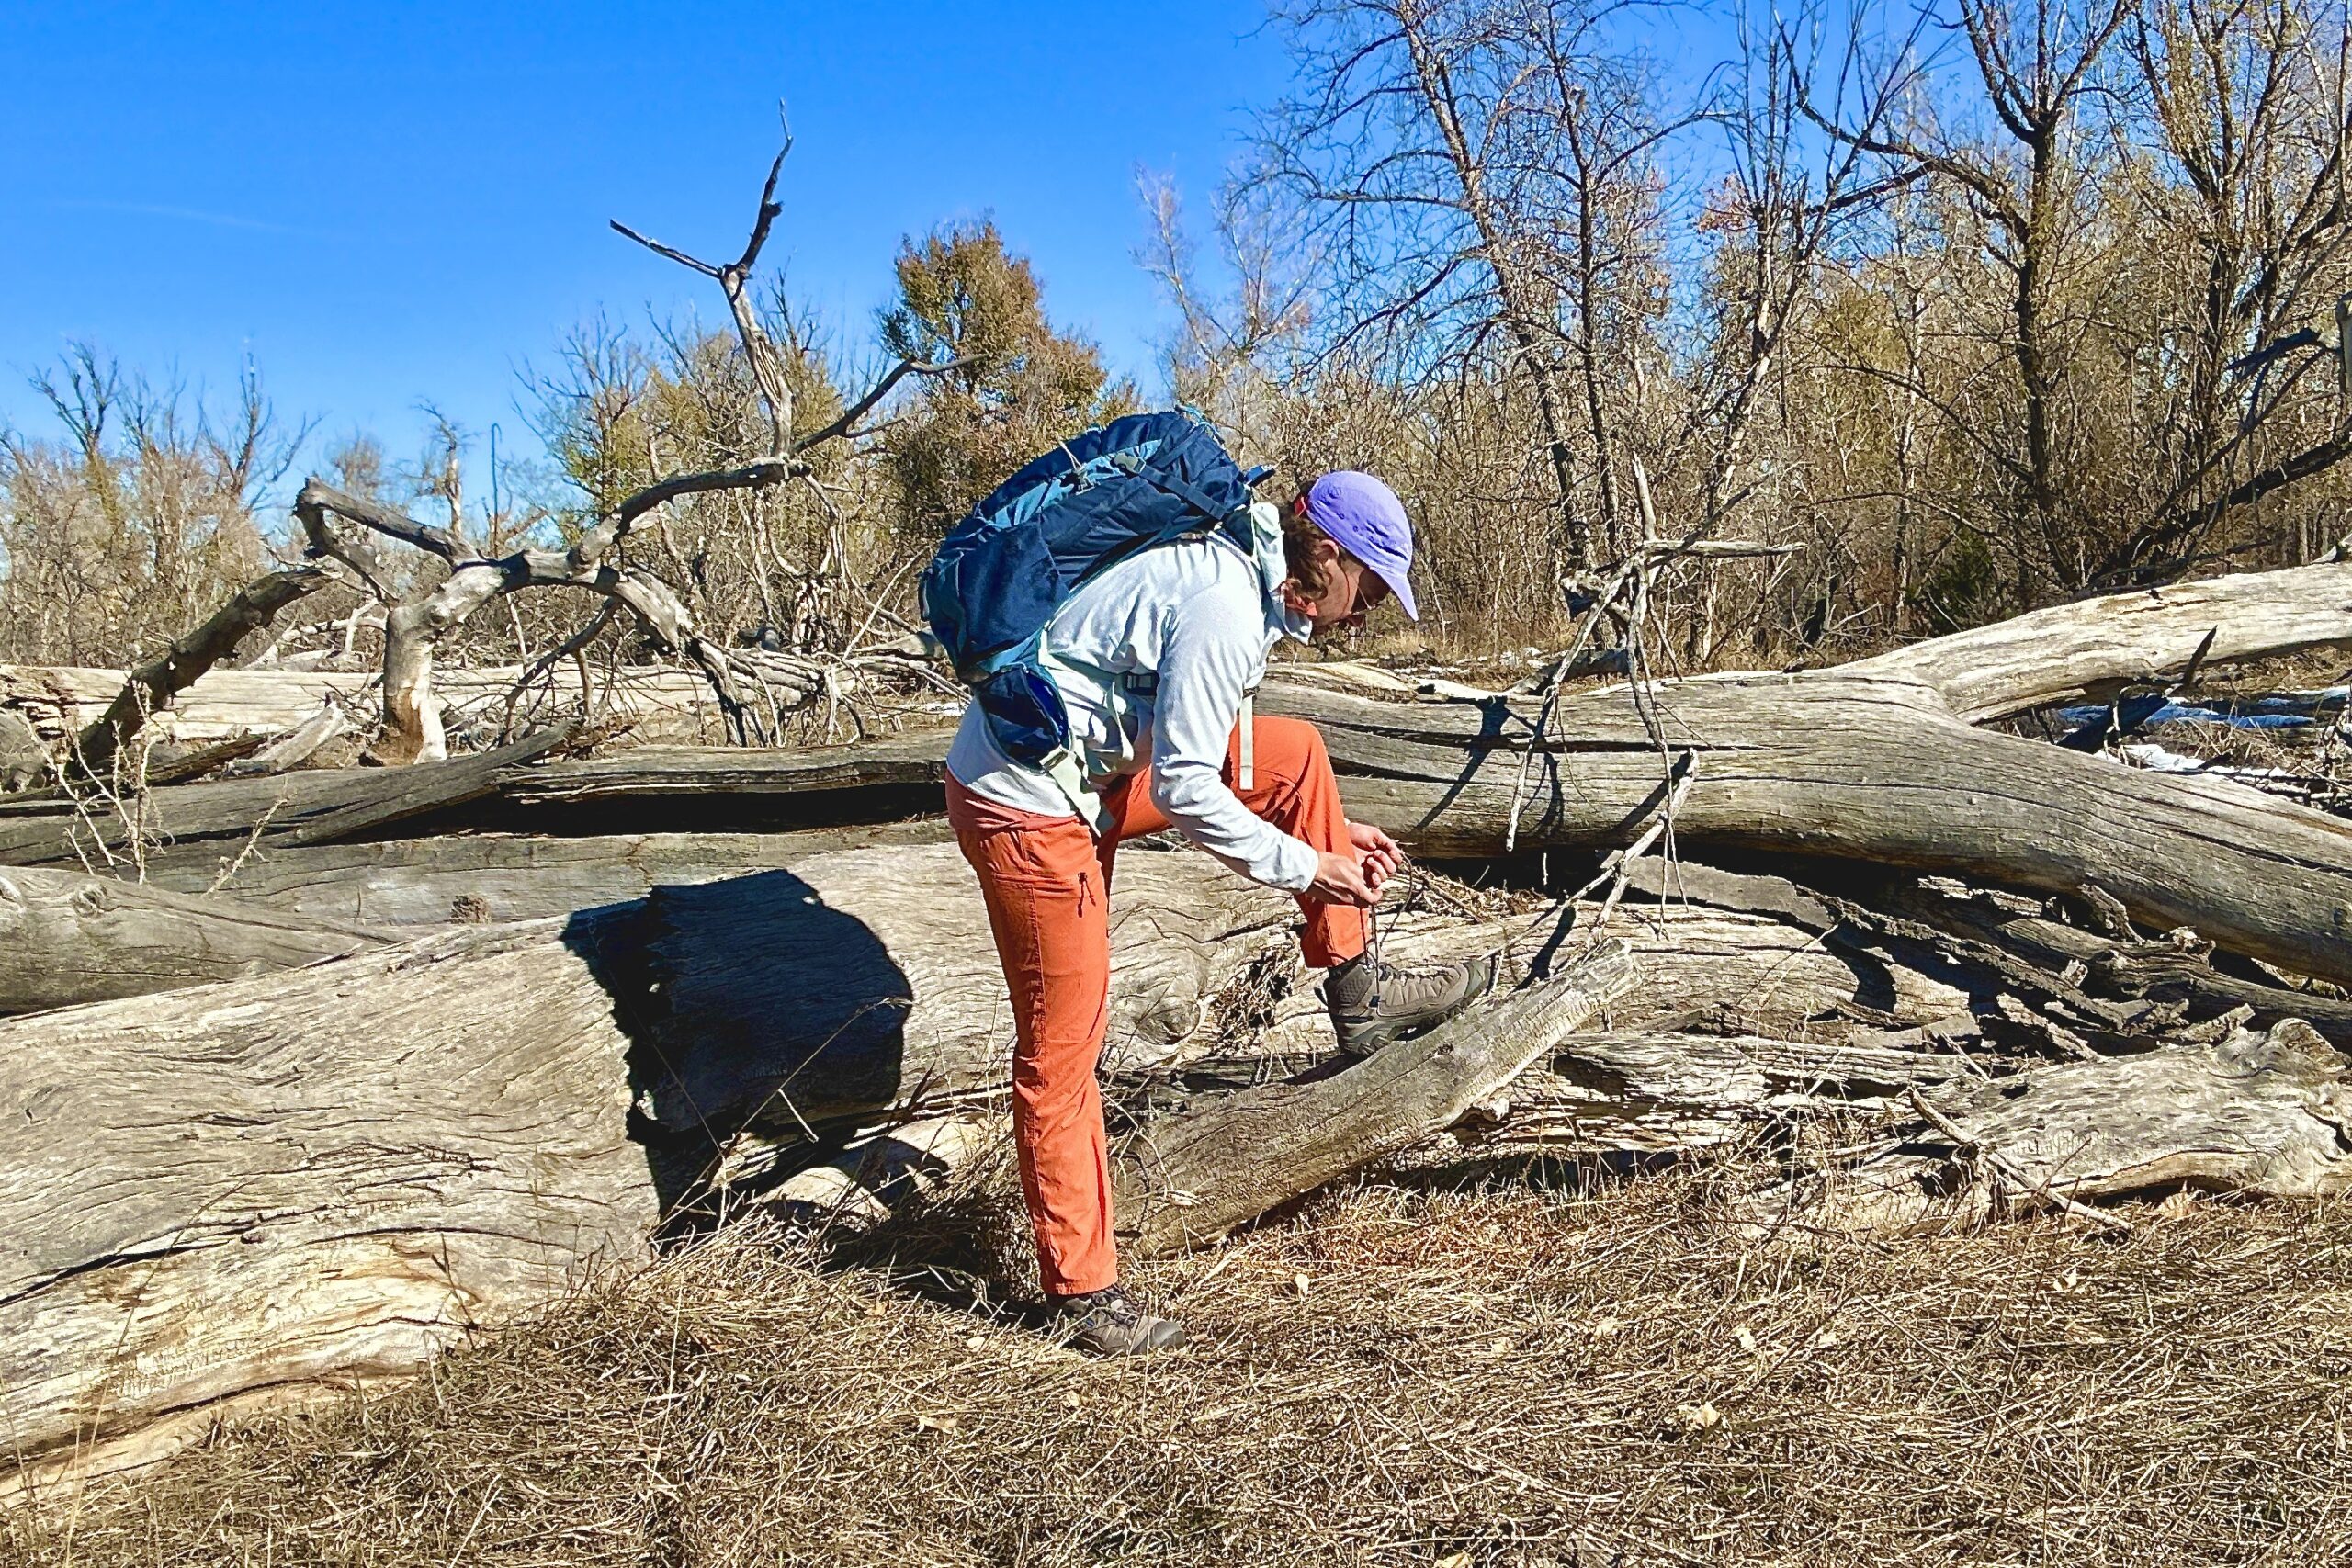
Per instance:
x=1107, y=1322
x=1372, y=1004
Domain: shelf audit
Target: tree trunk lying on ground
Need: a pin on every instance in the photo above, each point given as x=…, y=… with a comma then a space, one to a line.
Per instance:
x=2268, y=1114
x=201, y=827
x=365, y=1161
x=1873, y=761
x=62, y=699
x=66, y=939
x=368, y=1158
x=1186, y=1180
x=371, y=1159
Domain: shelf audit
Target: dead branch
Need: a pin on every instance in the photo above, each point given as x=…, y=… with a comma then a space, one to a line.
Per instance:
x=154, y=684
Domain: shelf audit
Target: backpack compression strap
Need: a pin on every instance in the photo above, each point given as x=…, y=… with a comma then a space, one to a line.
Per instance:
x=1061, y=766
x=1245, y=774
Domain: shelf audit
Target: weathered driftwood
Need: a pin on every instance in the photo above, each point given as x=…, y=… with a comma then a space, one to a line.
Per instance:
x=308, y=1177
x=1188, y=1179
x=60, y=699
x=2177, y=967
x=66, y=938
x=477, y=877
x=298, y=745
x=198, y=826
x=1822, y=764
x=334, y=1198
x=650, y=773
x=2261, y=1114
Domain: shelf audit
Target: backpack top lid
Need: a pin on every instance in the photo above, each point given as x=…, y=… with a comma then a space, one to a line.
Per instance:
x=1004, y=569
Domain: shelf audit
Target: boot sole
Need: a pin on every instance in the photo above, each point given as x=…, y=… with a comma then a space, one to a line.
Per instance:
x=1361, y=1040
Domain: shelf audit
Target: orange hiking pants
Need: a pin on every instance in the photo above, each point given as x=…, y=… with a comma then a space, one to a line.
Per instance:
x=1047, y=884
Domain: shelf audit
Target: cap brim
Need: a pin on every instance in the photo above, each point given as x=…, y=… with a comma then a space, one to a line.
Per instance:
x=1401, y=587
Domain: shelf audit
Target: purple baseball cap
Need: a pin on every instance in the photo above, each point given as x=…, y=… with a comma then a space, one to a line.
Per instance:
x=1365, y=519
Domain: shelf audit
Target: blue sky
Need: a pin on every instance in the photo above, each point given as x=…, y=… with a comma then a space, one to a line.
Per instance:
x=391, y=202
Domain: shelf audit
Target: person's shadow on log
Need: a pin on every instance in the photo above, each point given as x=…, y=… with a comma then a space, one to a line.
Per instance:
x=748, y=1002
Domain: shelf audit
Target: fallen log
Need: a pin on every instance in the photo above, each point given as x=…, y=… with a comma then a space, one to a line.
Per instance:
x=273, y=1192
x=61, y=699
x=1865, y=769
x=278, y=1188
x=66, y=939
x=196, y=827
x=653, y=773
x=2071, y=651
x=1869, y=761
x=1188, y=1179
x=336, y=1198
x=2266, y=1114
x=367, y=1160
x=1822, y=764
x=480, y=877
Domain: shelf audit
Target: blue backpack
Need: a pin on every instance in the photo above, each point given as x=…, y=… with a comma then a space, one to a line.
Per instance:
x=1004, y=569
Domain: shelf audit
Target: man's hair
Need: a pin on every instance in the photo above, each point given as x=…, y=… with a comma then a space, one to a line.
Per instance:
x=1300, y=536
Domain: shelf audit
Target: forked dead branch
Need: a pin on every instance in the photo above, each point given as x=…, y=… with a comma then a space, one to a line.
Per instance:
x=755, y=687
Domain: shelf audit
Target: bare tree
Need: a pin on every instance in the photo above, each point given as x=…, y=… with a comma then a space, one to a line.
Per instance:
x=140, y=520
x=2031, y=183
x=2246, y=118
x=754, y=685
x=1475, y=172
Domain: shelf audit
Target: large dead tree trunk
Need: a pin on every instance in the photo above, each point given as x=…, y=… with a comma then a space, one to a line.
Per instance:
x=306, y=1179
x=369, y=1159
x=1873, y=761
x=330, y=1197
x=1872, y=770
x=66, y=939
x=249, y=1190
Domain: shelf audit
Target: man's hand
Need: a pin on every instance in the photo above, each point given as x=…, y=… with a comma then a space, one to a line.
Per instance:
x=1340, y=879
x=1378, y=853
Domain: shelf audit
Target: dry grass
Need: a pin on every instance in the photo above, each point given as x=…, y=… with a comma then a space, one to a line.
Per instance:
x=1394, y=1376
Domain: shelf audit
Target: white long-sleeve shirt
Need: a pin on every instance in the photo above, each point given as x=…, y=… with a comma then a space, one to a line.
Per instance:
x=1201, y=618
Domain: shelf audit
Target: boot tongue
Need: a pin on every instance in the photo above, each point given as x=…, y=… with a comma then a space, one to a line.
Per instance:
x=1351, y=985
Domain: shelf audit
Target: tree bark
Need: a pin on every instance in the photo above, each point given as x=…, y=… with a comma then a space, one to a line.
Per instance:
x=66, y=939
x=2258, y=1113
x=306, y=1179
x=367, y=1160
x=1188, y=1179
